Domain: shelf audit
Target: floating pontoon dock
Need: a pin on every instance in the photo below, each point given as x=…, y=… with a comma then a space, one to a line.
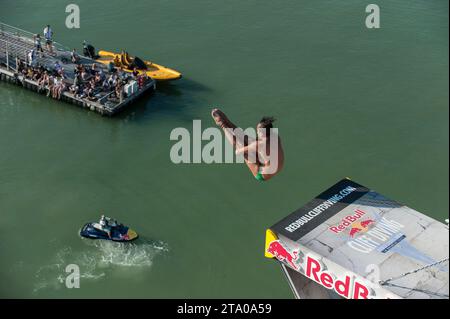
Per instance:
x=352, y=242
x=16, y=44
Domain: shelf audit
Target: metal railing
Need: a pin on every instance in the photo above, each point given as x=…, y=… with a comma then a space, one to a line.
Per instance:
x=27, y=36
x=11, y=51
x=103, y=98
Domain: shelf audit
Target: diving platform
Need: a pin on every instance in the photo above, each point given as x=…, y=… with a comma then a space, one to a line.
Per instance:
x=352, y=242
x=15, y=47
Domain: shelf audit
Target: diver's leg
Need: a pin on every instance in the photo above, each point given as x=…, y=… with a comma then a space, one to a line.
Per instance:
x=221, y=119
x=233, y=134
x=236, y=137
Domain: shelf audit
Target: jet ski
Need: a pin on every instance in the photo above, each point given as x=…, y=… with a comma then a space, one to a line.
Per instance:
x=118, y=232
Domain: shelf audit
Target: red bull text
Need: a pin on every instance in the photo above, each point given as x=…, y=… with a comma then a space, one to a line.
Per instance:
x=347, y=222
x=346, y=286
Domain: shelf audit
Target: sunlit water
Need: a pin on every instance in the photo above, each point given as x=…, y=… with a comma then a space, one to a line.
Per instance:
x=368, y=104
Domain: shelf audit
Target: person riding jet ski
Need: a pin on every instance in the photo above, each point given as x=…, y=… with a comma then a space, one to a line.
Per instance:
x=108, y=228
x=107, y=224
x=104, y=225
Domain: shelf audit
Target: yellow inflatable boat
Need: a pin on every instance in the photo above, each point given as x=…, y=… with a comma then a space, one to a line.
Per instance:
x=128, y=63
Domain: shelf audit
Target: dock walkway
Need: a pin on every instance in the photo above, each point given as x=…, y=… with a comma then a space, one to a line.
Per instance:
x=16, y=44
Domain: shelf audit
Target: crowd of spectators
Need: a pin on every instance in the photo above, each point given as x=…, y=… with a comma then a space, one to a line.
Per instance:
x=89, y=81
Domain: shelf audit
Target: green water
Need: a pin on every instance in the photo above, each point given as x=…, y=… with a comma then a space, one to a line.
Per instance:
x=368, y=104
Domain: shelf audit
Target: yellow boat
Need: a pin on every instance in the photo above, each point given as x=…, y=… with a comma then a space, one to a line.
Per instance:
x=128, y=63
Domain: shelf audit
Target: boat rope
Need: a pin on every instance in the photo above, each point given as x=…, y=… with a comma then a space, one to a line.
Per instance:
x=384, y=282
x=419, y=290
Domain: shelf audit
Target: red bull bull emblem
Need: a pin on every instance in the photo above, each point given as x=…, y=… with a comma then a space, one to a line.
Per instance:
x=282, y=254
x=355, y=222
x=363, y=226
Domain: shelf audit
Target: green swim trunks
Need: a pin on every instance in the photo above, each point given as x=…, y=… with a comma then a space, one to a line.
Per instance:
x=259, y=177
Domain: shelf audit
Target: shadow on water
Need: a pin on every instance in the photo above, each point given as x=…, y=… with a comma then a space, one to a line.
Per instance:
x=172, y=98
x=172, y=88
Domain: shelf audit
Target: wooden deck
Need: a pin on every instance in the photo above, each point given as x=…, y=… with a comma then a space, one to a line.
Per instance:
x=16, y=43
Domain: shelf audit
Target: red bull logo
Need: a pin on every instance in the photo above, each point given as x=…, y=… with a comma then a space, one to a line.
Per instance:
x=353, y=222
x=360, y=227
x=347, y=286
x=282, y=254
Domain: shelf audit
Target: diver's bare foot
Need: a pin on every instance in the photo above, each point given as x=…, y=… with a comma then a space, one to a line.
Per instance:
x=220, y=118
x=217, y=117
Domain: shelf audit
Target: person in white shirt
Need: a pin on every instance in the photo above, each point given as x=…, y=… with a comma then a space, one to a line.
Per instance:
x=31, y=57
x=105, y=225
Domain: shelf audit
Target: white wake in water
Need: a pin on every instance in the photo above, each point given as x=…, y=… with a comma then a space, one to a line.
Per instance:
x=97, y=259
x=128, y=255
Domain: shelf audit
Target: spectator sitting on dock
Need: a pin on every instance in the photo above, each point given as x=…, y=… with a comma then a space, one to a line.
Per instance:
x=90, y=94
x=43, y=81
x=112, y=80
x=98, y=79
x=77, y=80
x=94, y=69
x=24, y=71
x=61, y=73
x=51, y=80
x=37, y=73
x=141, y=80
x=48, y=34
x=78, y=69
x=79, y=91
x=84, y=91
x=57, y=67
x=55, y=87
x=101, y=73
x=106, y=86
x=75, y=89
x=29, y=74
x=60, y=89
x=19, y=65
x=74, y=56
x=84, y=75
x=92, y=83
